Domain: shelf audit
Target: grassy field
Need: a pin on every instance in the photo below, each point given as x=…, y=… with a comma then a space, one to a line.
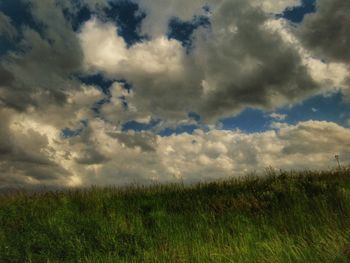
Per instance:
x=284, y=217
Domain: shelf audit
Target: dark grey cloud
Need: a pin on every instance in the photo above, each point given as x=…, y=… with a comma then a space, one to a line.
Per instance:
x=5, y=135
x=7, y=30
x=88, y=148
x=38, y=97
x=246, y=63
x=145, y=141
x=238, y=61
x=43, y=61
x=6, y=77
x=91, y=156
x=26, y=155
x=326, y=32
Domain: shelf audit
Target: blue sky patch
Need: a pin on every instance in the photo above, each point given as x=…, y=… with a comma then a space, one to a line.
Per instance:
x=332, y=108
x=97, y=80
x=183, y=30
x=154, y=125
x=67, y=133
x=296, y=14
x=138, y=127
x=125, y=14
x=249, y=120
x=76, y=20
x=128, y=18
x=105, y=84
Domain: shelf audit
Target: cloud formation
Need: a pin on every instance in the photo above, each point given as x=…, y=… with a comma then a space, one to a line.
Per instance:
x=230, y=68
x=325, y=35
x=34, y=154
x=6, y=28
x=160, y=12
x=28, y=155
x=44, y=59
x=246, y=62
x=326, y=31
x=246, y=57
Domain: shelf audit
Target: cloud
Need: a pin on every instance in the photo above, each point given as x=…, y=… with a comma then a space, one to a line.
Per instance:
x=32, y=149
x=327, y=74
x=348, y=122
x=240, y=67
x=277, y=116
x=324, y=34
x=43, y=61
x=246, y=58
x=7, y=30
x=32, y=153
x=326, y=31
x=240, y=61
x=276, y=7
x=158, y=70
x=213, y=155
x=145, y=141
x=6, y=78
x=159, y=12
x=27, y=152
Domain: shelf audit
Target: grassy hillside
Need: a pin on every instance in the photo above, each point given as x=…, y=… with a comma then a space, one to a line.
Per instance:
x=294, y=217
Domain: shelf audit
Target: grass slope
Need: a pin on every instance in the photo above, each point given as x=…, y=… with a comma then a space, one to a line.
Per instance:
x=294, y=217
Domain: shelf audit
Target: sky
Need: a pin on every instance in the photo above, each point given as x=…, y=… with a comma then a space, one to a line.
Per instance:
x=101, y=92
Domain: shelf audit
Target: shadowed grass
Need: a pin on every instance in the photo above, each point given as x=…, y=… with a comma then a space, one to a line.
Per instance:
x=283, y=217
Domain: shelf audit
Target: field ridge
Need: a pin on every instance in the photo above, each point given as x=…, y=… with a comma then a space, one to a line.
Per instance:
x=279, y=217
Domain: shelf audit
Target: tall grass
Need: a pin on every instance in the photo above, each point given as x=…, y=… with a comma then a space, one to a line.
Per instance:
x=282, y=217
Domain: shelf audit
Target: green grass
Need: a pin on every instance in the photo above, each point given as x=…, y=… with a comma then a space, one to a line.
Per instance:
x=284, y=217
